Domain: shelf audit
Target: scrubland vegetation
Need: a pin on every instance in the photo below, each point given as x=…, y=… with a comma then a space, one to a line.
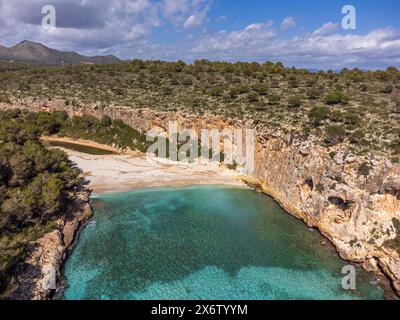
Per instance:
x=358, y=109
x=352, y=107
x=36, y=187
x=104, y=130
x=361, y=109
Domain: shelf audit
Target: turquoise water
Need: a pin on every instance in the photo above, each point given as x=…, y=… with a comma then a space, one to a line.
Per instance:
x=203, y=243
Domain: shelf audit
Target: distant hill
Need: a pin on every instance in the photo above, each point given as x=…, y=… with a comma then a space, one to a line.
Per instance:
x=37, y=53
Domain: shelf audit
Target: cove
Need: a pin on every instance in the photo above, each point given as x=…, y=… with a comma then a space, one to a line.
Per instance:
x=203, y=242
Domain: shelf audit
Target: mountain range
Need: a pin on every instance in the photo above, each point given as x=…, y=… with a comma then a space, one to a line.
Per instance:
x=37, y=53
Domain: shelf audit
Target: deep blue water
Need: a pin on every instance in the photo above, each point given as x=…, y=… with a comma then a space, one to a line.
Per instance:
x=203, y=243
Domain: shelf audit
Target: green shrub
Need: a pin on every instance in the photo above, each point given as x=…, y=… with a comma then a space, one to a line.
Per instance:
x=317, y=114
x=187, y=81
x=364, y=169
x=357, y=136
x=336, y=116
x=351, y=119
x=395, y=98
x=320, y=187
x=293, y=82
x=167, y=91
x=238, y=90
x=395, y=243
x=336, y=97
x=261, y=89
x=395, y=159
x=217, y=91
x=387, y=89
x=252, y=97
x=332, y=98
x=395, y=145
x=294, y=102
x=274, y=99
x=313, y=93
x=174, y=81
x=310, y=82
x=105, y=121
x=335, y=134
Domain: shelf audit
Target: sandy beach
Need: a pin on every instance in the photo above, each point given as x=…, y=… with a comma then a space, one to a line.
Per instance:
x=120, y=173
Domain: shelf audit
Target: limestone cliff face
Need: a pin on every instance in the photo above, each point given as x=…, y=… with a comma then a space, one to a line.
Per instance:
x=355, y=212
x=320, y=187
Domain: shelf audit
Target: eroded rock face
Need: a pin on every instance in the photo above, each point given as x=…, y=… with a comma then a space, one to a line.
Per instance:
x=41, y=272
x=347, y=208
x=354, y=211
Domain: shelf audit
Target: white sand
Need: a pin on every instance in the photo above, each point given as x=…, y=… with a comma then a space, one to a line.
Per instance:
x=119, y=173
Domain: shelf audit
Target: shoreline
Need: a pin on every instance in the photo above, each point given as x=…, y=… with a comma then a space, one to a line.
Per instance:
x=122, y=173
x=128, y=170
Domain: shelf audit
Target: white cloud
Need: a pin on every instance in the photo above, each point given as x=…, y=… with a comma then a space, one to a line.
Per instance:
x=193, y=21
x=254, y=26
x=122, y=27
x=196, y=19
x=136, y=6
x=337, y=50
x=185, y=13
x=93, y=25
x=378, y=48
x=326, y=29
x=288, y=23
x=80, y=24
x=174, y=7
x=251, y=36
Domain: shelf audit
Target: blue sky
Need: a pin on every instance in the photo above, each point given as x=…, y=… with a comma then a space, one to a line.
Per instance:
x=310, y=14
x=298, y=33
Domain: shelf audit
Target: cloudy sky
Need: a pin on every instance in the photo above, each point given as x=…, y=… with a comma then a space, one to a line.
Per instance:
x=298, y=33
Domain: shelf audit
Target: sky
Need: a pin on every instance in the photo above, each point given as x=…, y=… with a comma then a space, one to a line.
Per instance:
x=304, y=34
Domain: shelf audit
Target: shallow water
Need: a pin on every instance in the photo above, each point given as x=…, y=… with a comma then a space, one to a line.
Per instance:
x=203, y=243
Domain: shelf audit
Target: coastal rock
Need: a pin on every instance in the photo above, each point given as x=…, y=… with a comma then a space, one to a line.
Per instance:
x=38, y=280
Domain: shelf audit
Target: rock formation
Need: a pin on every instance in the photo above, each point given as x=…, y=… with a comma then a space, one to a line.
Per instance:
x=40, y=275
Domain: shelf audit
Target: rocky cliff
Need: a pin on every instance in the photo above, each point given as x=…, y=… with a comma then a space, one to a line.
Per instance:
x=40, y=275
x=324, y=187
x=354, y=212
